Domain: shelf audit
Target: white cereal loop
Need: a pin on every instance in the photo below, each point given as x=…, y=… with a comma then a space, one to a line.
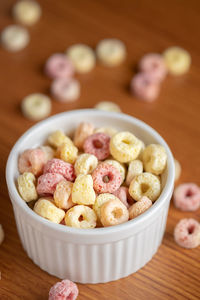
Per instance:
x=62, y=194
x=57, y=138
x=145, y=184
x=82, y=57
x=113, y=212
x=108, y=106
x=135, y=168
x=82, y=191
x=36, y=106
x=111, y=52
x=177, y=60
x=100, y=200
x=2, y=235
x=85, y=164
x=46, y=208
x=177, y=169
x=119, y=166
x=26, y=186
x=154, y=159
x=125, y=147
x=108, y=130
x=26, y=12
x=14, y=38
x=81, y=216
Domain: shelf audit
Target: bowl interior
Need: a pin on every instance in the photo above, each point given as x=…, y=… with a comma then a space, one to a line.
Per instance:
x=68, y=121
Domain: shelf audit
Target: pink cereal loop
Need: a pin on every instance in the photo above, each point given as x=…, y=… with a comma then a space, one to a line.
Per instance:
x=153, y=64
x=187, y=197
x=187, y=233
x=63, y=290
x=106, y=178
x=123, y=195
x=47, y=183
x=98, y=145
x=59, y=166
x=32, y=160
x=59, y=66
x=144, y=88
x=65, y=89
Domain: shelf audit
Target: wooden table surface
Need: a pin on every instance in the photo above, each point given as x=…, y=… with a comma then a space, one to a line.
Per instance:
x=144, y=26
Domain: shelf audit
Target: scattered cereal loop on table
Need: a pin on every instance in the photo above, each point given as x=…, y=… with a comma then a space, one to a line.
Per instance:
x=187, y=197
x=82, y=56
x=177, y=60
x=59, y=66
x=36, y=106
x=187, y=233
x=27, y=12
x=63, y=290
x=14, y=38
x=111, y=52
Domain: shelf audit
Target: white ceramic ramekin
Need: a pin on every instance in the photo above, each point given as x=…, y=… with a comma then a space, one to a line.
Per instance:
x=90, y=255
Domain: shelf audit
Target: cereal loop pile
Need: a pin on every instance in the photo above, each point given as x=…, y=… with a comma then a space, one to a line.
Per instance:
x=99, y=177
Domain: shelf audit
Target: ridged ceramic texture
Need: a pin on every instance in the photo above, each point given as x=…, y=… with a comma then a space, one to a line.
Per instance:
x=90, y=255
x=91, y=263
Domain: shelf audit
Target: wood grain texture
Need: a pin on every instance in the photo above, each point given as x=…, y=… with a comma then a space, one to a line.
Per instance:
x=144, y=26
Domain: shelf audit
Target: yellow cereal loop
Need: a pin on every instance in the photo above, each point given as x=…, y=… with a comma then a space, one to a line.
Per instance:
x=85, y=164
x=100, y=200
x=113, y=212
x=82, y=191
x=36, y=106
x=26, y=186
x=177, y=60
x=111, y=52
x=46, y=208
x=68, y=152
x=119, y=166
x=57, y=138
x=140, y=156
x=81, y=216
x=27, y=12
x=135, y=168
x=125, y=147
x=108, y=130
x=82, y=57
x=62, y=194
x=108, y=106
x=145, y=184
x=154, y=159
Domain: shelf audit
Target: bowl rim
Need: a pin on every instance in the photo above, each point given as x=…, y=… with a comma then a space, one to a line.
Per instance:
x=165, y=194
